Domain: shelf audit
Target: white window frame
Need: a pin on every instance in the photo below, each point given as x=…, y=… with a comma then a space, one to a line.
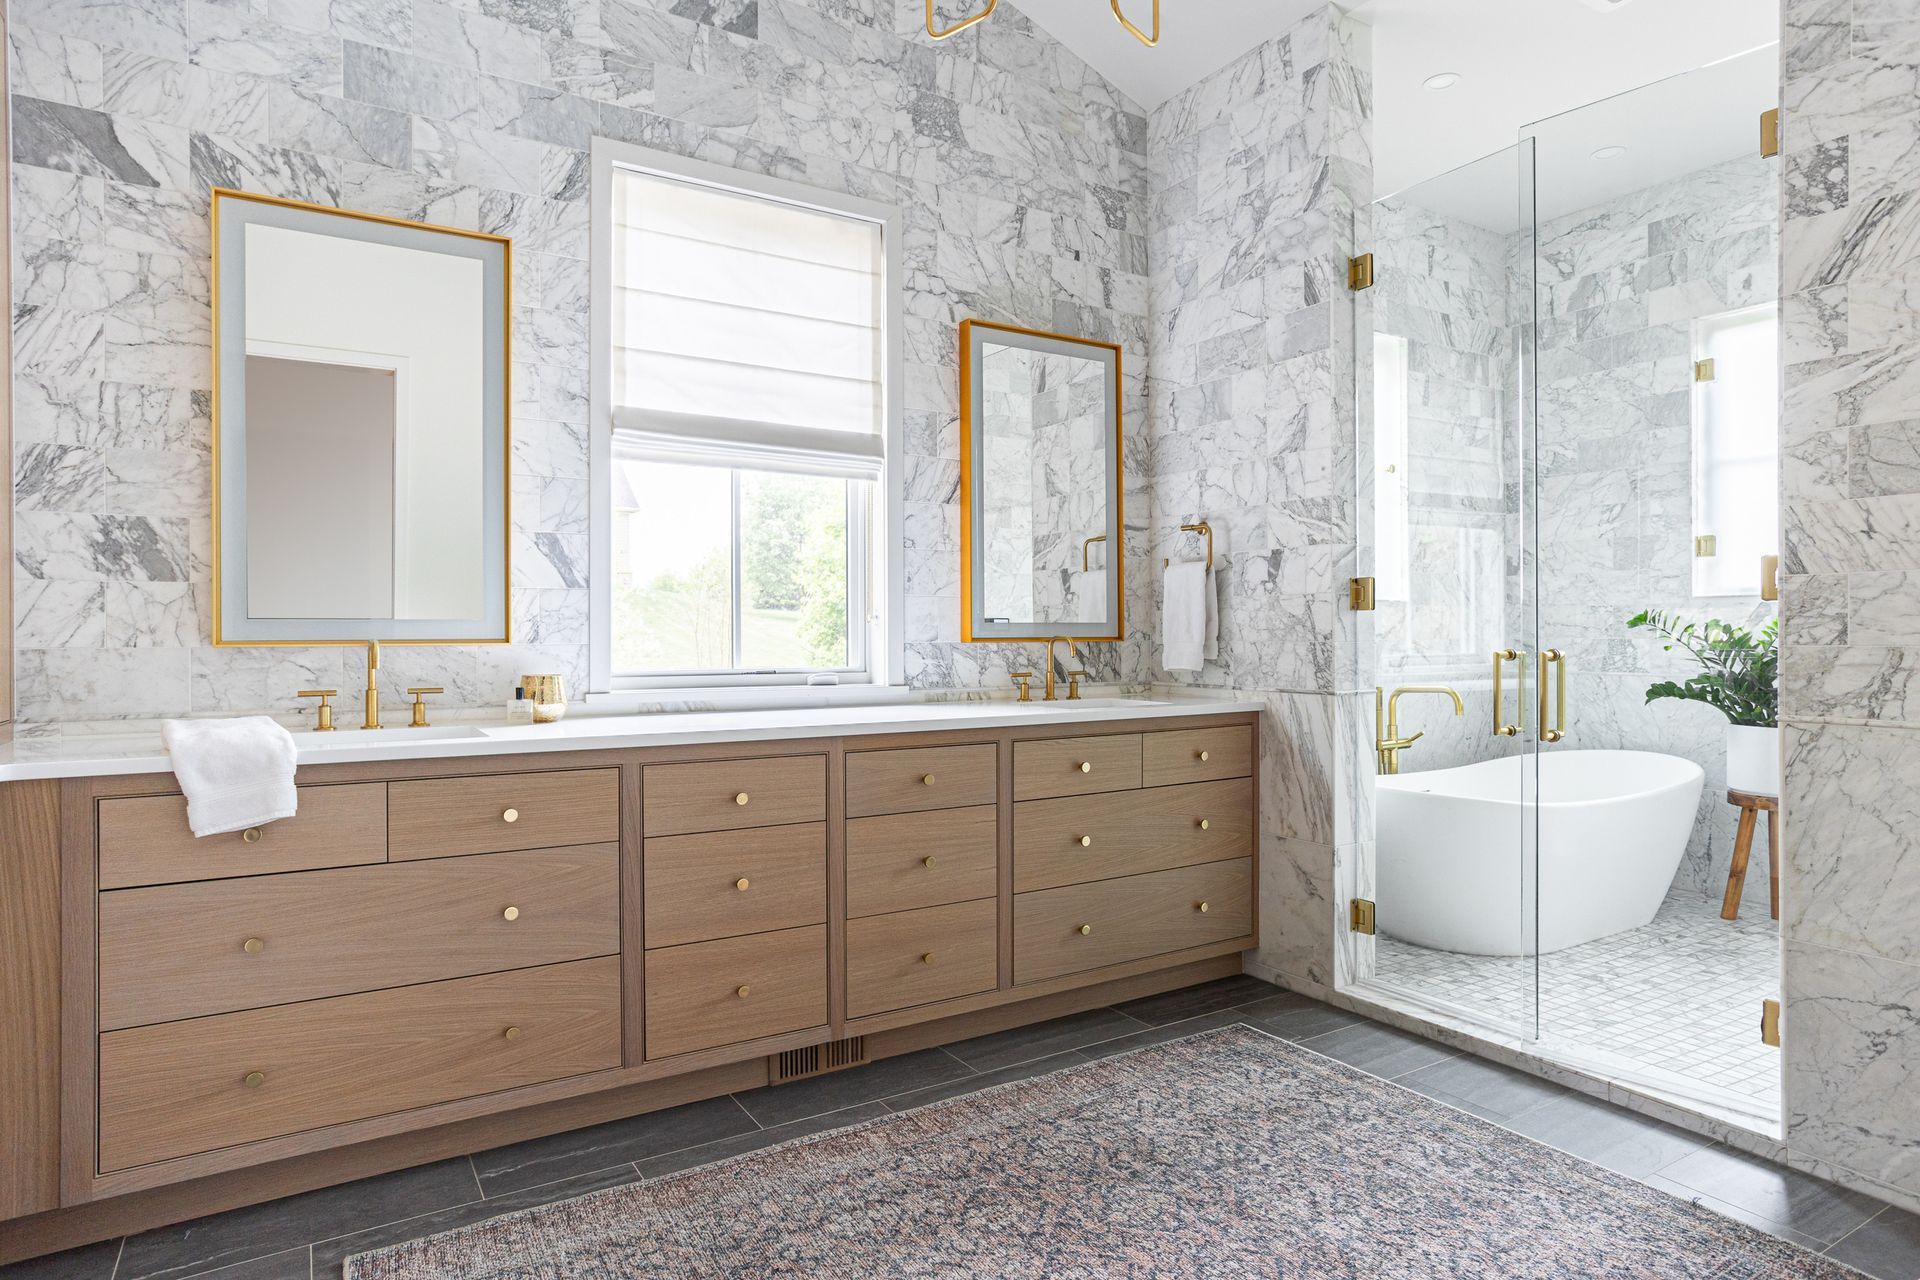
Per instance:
x=879, y=524
x=1743, y=579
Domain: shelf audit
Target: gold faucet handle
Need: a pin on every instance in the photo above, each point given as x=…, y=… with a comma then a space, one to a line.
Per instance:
x=1073, y=685
x=323, y=720
x=1024, y=679
x=420, y=707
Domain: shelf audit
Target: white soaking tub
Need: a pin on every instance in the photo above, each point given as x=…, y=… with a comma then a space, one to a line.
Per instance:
x=1455, y=865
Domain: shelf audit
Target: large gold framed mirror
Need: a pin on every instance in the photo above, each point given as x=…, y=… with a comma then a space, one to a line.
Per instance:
x=1041, y=524
x=359, y=427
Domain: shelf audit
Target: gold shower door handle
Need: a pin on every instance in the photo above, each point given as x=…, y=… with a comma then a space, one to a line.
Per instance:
x=1555, y=729
x=1501, y=657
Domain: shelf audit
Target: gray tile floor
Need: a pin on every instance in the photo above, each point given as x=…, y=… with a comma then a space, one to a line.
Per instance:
x=1679, y=996
x=308, y=1236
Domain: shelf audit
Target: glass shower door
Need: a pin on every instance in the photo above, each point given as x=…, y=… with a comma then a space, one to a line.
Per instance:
x=1445, y=337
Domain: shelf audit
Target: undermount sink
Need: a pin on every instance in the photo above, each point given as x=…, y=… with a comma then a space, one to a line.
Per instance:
x=344, y=736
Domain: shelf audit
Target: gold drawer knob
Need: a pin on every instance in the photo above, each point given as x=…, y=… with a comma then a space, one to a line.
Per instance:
x=927, y=861
x=1086, y=928
x=511, y=1033
x=511, y=913
x=1202, y=908
x=253, y=1079
x=1086, y=842
x=511, y=815
x=926, y=779
x=1205, y=825
x=927, y=958
x=740, y=798
x=1086, y=766
x=1203, y=757
x=251, y=835
x=742, y=884
x=742, y=992
x=252, y=946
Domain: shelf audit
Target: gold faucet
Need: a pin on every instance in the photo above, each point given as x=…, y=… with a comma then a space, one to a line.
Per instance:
x=373, y=685
x=1072, y=652
x=1387, y=742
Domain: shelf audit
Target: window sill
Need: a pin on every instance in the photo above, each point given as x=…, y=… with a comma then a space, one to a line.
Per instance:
x=748, y=698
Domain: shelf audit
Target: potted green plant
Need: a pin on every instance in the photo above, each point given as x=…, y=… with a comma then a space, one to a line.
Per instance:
x=1738, y=670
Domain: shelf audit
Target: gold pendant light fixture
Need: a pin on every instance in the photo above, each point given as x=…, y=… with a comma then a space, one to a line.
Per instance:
x=1148, y=40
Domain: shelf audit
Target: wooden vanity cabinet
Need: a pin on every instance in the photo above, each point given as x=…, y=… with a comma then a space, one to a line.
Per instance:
x=436, y=956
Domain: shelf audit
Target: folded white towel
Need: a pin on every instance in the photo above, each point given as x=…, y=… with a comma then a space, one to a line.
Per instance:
x=236, y=773
x=1189, y=617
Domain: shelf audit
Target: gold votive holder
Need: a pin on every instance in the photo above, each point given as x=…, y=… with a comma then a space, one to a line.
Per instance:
x=548, y=695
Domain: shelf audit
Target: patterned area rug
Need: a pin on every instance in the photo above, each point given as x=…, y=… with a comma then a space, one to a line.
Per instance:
x=1226, y=1154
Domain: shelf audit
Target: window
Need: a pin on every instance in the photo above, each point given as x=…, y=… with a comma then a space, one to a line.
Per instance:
x=745, y=345
x=1736, y=455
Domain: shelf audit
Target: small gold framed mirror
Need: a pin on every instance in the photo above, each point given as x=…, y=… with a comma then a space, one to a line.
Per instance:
x=360, y=438
x=1041, y=525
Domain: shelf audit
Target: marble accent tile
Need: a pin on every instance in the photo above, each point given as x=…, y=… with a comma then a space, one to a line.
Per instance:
x=159, y=26
x=1849, y=1027
x=231, y=38
x=334, y=126
x=1852, y=839
x=57, y=136
x=99, y=684
x=1297, y=910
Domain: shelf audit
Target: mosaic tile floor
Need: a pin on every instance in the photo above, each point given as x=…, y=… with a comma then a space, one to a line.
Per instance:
x=1679, y=995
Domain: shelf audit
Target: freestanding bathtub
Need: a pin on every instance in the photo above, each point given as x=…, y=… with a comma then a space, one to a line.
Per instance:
x=1455, y=859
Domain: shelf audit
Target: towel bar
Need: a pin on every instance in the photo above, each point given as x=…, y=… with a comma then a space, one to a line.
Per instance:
x=1202, y=527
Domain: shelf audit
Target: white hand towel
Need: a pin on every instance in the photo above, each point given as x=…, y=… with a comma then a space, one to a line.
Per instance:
x=236, y=773
x=1189, y=617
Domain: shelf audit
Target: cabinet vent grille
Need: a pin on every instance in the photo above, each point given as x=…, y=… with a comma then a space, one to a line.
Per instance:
x=817, y=1059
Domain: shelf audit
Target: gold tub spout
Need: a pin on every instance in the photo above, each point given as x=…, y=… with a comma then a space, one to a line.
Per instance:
x=1388, y=744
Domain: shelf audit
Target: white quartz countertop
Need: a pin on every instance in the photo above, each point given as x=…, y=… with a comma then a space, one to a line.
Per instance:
x=93, y=754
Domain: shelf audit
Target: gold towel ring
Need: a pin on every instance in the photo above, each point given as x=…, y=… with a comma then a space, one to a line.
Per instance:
x=1136, y=32
x=982, y=16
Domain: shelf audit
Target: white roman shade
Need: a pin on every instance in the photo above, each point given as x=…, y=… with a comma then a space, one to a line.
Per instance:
x=746, y=331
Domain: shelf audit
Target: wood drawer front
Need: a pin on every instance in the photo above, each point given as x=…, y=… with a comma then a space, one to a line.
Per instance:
x=444, y=817
x=1133, y=832
x=905, y=860
x=1196, y=755
x=693, y=992
x=181, y=1087
x=917, y=957
x=1075, y=766
x=910, y=779
x=1129, y=919
x=777, y=791
x=179, y=951
x=694, y=883
x=145, y=839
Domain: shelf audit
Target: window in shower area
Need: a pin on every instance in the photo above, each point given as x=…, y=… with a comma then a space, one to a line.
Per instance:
x=1736, y=455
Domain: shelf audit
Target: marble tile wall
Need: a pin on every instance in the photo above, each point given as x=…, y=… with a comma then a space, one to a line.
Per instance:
x=1021, y=172
x=1255, y=177
x=1850, y=306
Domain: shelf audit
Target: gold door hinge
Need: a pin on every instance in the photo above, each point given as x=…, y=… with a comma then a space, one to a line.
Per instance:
x=1360, y=916
x=1769, y=577
x=1360, y=594
x=1360, y=272
x=1770, y=133
x=1703, y=370
x=1770, y=1023
x=1705, y=546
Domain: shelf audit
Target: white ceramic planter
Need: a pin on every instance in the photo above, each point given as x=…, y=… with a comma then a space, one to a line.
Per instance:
x=1753, y=759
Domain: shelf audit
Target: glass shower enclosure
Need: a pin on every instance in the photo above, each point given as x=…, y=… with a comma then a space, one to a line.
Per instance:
x=1567, y=371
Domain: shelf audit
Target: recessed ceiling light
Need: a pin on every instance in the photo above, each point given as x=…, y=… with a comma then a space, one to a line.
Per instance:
x=1444, y=80
x=1608, y=153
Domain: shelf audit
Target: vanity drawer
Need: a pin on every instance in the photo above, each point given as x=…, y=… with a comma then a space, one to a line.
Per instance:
x=1196, y=755
x=1075, y=766
x=145, y=839
x=444, y=817
x=1079, y=838
x=181, y=1087
x=909, y=779
x=694, y=993
x=726, y=795
x=723, y=884
x=1129, y=919
x=180, y=951
x=901, y=861
x=916, y=957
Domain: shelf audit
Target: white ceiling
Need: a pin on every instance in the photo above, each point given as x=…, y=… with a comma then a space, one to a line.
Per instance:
x=1197, y=38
